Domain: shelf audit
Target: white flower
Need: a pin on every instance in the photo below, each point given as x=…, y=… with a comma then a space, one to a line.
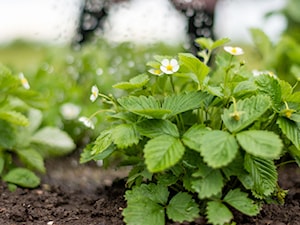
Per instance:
x=95, y=93
x=87, y=122
x=157, y=72
x=257, y=73
x=234, y=50
x=169, y=66
x=70, y=111
x=24, y=81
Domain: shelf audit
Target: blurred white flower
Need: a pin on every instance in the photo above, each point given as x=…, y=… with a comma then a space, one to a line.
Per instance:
x=87, y=122
x=95, y=93
x=257, y=73
x=169, y=66
x=234, y=50
x=24, y=81
x=70, y=111
x=154, y=71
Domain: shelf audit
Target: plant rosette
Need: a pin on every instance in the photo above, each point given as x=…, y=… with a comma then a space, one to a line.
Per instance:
x=201, y=139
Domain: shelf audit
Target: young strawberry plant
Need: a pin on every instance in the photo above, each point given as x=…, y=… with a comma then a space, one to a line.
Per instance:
x=203, y=137
x=23, y=144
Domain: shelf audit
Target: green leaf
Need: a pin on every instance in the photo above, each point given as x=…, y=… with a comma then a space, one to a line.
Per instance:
x=156, y=193
x=7, y=135
x=134, y=83
x=154, y=64
x=240, y=201
x=125, y=135
x=32, y=98
x=32, y=158
x=182, y=207
x=22, y=177
x=144, y=212
x=209, y=183
x=163, y=152
x=244, y=88
x=262, y=42
x=295, y=97
x=270, y=86
x=218, y=148
x=87, y=155
x=261, y=143
x=35, y=118
x=219, y=43
x=286, y=90
x=218, y=213
x=195, y=65
x=205, y=43
x=144, y=106
x=249, y=110
x=290, y=129
x=14, y=118
x=103, y=141
x=183, y=102
x=154, y=127
x=7, y=80
x=51, y=141
x=145, y=205
x=263, y=174
x=192, y=137
x=295, y=153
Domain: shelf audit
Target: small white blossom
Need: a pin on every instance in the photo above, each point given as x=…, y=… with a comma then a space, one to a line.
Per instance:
x=87, y=122
x=24, y=81
x=234, y=50
x=95, y=93
x=70, y=111
x=169, y=66
x=257, y=73
x=157, y=72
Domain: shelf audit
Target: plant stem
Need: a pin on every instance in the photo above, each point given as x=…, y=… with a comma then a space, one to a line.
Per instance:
x=172, y=83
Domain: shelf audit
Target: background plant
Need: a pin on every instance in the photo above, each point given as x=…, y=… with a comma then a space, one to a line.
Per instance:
x=23, y=143
x=63, y=75
x=201, y=139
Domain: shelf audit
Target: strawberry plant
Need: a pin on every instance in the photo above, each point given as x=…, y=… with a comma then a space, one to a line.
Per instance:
x=24, y=144
x=202, y=136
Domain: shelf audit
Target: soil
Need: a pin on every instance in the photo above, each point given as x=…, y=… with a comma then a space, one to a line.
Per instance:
x=74, y=194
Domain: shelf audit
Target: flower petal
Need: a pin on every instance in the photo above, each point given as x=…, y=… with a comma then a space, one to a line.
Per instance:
x=165, y=62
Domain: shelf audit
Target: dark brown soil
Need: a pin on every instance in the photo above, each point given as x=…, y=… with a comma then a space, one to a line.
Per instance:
x=73, y=194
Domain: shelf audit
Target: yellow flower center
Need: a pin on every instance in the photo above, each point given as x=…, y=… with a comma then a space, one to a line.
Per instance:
x=169, y=67
x=157, y=71
x=24, y=81
x=234, y=51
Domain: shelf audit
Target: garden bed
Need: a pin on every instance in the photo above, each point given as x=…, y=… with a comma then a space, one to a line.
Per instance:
x=76, y=194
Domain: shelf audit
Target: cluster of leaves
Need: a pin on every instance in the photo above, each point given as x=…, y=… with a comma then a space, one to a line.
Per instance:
x=23, y=142
x=201, y=140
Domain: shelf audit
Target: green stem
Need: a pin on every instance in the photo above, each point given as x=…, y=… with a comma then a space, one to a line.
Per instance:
x=226, y=78
x=284, y=163
x=100, y=111
x=172, y=83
